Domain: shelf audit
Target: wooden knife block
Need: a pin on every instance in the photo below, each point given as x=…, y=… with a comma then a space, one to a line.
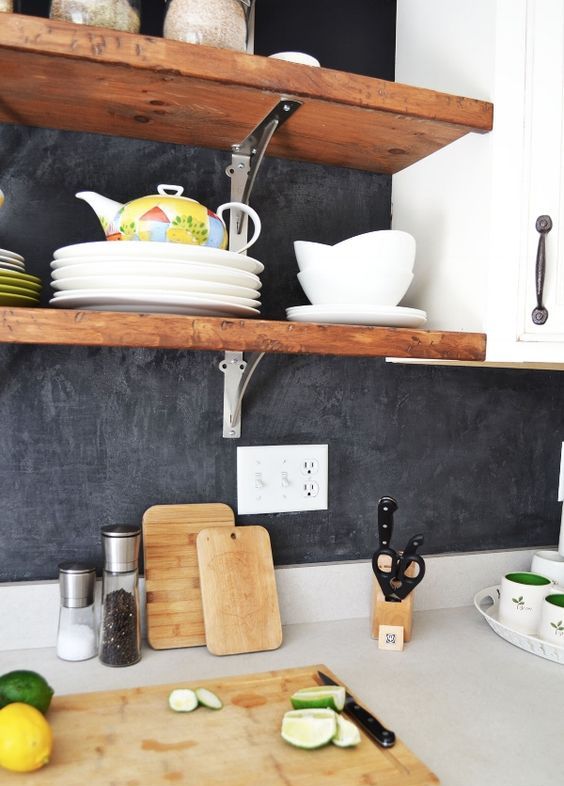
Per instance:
x=387, y=612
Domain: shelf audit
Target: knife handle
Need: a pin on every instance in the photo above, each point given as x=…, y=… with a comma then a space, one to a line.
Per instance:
x=387, y=506
x=372, y=726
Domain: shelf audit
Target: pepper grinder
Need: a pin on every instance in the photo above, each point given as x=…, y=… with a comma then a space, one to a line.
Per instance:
x=76, y=635
x=120, y=625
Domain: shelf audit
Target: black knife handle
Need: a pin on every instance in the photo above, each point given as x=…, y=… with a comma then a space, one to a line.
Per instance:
x=387, y=506
x=371, y=725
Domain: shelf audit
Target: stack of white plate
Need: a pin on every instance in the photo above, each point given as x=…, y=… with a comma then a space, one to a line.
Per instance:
x=154, y=277
x=17, y=288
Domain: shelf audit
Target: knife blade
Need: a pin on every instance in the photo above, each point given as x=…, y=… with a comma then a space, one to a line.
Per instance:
x=368, y=722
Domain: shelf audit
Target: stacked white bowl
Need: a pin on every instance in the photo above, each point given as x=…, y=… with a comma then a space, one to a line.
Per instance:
x=360, y=280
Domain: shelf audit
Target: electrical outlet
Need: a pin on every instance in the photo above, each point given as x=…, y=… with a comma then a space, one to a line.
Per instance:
x=282, y=478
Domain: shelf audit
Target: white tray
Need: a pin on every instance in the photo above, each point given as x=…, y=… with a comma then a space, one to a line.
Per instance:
x=525, y=642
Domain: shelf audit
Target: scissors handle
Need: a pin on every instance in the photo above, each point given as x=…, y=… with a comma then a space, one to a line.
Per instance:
x=405, y=562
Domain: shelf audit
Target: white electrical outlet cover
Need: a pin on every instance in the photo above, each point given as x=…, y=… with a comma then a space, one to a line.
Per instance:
x=282, y=478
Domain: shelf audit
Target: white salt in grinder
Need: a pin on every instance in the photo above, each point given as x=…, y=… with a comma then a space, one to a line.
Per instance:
x=76, y=635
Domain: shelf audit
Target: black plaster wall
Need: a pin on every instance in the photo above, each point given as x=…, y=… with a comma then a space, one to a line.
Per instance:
x=95, y=436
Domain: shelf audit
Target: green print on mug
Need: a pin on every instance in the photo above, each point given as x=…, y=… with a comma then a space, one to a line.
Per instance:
x=519, y=601
x=557, y=625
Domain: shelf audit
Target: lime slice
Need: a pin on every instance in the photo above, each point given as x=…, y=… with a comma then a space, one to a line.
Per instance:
x=330, y=696
x=309, y=728
x=347, y=735
x=182, y=700
x=208, y=699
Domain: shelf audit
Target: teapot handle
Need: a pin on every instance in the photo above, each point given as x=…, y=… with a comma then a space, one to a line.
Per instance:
x=252, y=215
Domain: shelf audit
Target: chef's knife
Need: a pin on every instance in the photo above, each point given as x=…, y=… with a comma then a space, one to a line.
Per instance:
x=368, y=722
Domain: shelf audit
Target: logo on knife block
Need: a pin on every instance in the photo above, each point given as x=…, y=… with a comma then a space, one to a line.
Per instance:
x=390, y=637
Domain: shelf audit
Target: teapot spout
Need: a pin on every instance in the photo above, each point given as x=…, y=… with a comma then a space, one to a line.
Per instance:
x=106, y=209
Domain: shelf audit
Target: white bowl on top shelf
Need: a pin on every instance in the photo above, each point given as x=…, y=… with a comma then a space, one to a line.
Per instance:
x=390, y=244
x=361, y=283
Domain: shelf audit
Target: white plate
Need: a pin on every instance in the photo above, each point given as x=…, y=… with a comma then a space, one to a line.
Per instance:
x=12, y=254
x=93, y=266
x=140, y=299
x=153, y=284
x=12, y=261
x=533, y=644
x=146, y=249
x=12, y=266
x=383, y=316
x=192, y=311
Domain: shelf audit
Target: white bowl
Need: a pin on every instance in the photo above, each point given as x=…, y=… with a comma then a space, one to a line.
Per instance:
x=308, y=252
x=297, y=57
x=334, y=284
x=390, y=244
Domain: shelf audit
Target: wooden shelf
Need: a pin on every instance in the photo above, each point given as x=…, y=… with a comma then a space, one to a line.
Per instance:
x=168, y=331
x=79, y=78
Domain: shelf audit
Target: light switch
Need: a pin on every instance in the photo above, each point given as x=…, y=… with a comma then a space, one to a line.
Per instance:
x=282, y=478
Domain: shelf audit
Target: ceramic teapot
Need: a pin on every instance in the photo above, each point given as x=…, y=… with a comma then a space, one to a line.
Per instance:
x=167, y=217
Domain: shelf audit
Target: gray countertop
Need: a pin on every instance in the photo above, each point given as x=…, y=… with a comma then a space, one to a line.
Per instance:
x=474, y=708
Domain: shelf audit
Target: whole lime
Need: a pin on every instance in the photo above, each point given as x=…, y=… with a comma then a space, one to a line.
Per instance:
x=27, y=687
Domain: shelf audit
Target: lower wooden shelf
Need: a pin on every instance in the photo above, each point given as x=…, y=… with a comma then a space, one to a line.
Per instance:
x=169, y=331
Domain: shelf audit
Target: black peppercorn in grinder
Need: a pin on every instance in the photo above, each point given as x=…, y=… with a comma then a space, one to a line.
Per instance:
x=120, y=624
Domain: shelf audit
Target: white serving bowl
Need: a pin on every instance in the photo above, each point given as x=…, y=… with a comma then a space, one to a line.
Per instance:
x=308, y=252
x=390, y=244
x=361, y=285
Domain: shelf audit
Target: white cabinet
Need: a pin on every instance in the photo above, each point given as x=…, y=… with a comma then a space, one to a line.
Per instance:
x=473, y=207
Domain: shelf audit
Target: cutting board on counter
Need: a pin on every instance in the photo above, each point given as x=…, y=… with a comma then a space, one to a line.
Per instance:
x=127, y=737
x=172, y=579
x=239, y=596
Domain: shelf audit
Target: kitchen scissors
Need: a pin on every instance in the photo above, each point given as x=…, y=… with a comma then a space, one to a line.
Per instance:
x=392, y=572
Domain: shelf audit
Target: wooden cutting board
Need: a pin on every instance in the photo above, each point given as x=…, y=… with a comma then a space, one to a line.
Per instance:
x=131, y=737
x=172, y=580
x=239, y=594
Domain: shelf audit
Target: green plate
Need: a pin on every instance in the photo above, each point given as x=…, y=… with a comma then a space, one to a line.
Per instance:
x=17, y=274
x=8, y=289
x=17, y=300
x=14, y=281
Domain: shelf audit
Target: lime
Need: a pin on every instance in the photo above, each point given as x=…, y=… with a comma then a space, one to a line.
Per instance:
x=182, y=700
x=208, y=699
x=309, y=728
x=347, y=735
x=330, y=696
x=27, y=687
x=25, y=738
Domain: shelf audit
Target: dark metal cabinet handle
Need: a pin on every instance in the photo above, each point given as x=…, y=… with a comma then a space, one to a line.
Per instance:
x=543, y=226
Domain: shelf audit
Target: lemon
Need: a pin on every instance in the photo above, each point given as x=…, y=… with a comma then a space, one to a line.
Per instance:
x=331, y=697
x=309, y=728
x=25, y=738
x=182, y=700
x=347, y=735
x=28, y=687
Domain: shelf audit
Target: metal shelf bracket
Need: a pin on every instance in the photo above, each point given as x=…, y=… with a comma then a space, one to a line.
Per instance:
x=246, y=158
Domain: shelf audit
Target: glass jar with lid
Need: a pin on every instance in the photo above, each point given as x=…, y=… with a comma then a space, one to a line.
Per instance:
x=221, y=23
x=116, y=14
x=120, y=624
x=76, y=636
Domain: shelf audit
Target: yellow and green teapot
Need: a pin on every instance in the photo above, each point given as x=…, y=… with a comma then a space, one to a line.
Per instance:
x=167, y=217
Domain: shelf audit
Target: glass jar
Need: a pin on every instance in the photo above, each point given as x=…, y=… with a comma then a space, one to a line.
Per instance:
x=221, y=23
x=120, y=623
x=76, y=635
x=116, y=14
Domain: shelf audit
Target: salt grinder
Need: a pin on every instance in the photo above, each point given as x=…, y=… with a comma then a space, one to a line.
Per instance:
x=120, y=626
x=76, y=636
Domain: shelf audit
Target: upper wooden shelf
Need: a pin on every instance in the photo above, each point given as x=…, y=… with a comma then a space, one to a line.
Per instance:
x=79, y=78
x=168, y=331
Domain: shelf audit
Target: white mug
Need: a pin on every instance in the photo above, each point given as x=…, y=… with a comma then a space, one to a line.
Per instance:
x=521, y=600
x=551, y=627
x=550, y=564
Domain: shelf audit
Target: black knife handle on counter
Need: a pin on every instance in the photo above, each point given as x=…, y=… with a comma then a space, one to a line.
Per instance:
x=371, y=725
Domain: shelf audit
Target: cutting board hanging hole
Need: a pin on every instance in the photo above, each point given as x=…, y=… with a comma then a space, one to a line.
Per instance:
x=233, y=536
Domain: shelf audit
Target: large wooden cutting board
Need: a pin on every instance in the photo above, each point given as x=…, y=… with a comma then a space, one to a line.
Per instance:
x=132, y=738
x=239, y=596
x=172, y=579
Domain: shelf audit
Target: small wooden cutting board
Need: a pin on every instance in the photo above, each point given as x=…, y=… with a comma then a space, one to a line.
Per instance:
x=172, y=579
x=239, y=596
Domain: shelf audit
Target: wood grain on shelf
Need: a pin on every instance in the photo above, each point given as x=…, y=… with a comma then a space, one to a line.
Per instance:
x=168, y=331
x=56, y=74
